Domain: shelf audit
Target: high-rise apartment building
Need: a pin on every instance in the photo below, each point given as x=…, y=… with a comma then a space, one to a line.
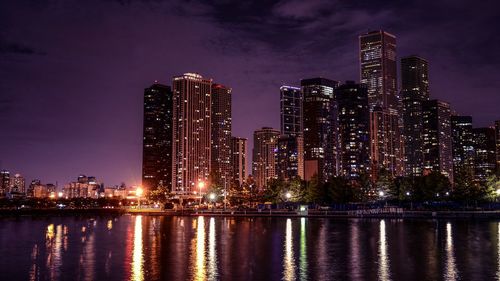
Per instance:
x=290, y=157
x=414, y=91
x=221, y=132
x=239, y=157
x=463, y=147
x=291, y=111
x=265, y=146
x=291, y=144
x=485, y=158
x=320, y=128
x=157, y=137
x=377, y=54
x=354, y=129
x=4, y=182
x=18, y=184
x=497, y=142
x=437, y=139
x=191, y=132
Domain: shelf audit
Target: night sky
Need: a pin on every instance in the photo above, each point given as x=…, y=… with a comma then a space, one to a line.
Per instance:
x=72, y=73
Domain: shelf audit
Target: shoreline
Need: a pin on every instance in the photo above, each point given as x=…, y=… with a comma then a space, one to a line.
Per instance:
x=400, y=214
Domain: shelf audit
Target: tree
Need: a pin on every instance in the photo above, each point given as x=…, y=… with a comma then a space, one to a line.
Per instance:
x=297, y=190
x=385, y=185
x=159, y=194
x=339, y=190
x=314, y=191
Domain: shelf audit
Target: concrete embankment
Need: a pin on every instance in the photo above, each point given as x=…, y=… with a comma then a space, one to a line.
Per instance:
x=370, y=213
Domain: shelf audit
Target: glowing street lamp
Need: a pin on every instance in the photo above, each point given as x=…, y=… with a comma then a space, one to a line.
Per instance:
x=212, y=196
x=201, y=184
x=381, y=193
x=138, y=193
x=288, y=195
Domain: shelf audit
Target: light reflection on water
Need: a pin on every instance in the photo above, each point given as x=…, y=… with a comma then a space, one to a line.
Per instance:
x=384, y=272
x=450, y=272
x=137, y=256
x=288, y=260
x=210, y=248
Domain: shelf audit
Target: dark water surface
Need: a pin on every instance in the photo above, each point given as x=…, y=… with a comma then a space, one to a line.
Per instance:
x=205, y=248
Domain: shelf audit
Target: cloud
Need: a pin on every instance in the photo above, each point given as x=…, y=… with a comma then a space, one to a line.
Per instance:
x=302, y=10
x=18, y=48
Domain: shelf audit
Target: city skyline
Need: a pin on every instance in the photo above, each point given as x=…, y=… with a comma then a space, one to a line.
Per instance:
x=58, y=125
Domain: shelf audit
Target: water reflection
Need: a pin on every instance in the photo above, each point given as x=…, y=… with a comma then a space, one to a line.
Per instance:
x=303, y=250
x=383, y=257
x=451, y=272
x=200, y=273
x=355, y=261
x=53, y=245
x=212, y=254
x=288, y=261
x=137, y=255
x=498, y=250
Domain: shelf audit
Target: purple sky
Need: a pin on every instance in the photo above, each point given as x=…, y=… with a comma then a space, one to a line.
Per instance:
x=72, y=73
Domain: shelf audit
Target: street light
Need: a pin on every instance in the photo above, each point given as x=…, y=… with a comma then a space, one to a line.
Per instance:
x=138, y=194
x=201, y=184
x=211, y=196
x=288, y=195
x=381, y=193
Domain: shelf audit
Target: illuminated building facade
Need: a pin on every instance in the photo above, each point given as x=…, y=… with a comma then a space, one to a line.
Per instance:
x=17, y=184
x=191, y=132
x=463, y=147
x=320, y=131
x=4, y=182
x=485, y=155
x=265, y=146
x=437, y=139
x=414, y=91
x=157, y=137
x=290, y=157
x=221, y=132
x=377, y=54
x=291, y=143
x=497, y=144
x=239, y=157
x=353, y=129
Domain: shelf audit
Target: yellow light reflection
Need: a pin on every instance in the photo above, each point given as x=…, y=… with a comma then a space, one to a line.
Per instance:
x=137, y=254
x=498, y=250
x=383, y=268
x=33, y=273
x=288, y=261
x=200, y=271
x=450, y=272
x=110, y=224
x=50, y=232
x=303, y=250
x=212, y=254
x=355, y=264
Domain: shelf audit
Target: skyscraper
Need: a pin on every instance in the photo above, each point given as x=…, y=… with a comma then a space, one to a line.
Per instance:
x=414, y=91
x=191, y=132
x=377, y=54
x=221, y=132
x=4, y=182
x=354, y=128
x=17, y=184
x=265, y=144
x=157, y=137
x=291, y=111
x=485, y=158
x=437, y=138
x=239, y=154
x=497, y=141
x=320, y=133
x=291, y=144
x=290, y=157
x=463, y=147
